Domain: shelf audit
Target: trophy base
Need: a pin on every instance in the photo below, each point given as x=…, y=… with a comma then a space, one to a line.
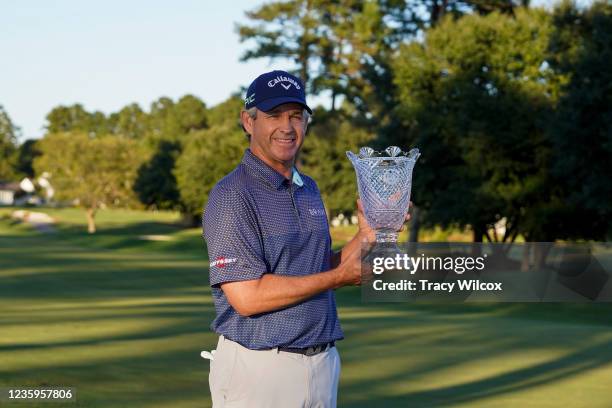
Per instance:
x=386, y=244
x=386, y=237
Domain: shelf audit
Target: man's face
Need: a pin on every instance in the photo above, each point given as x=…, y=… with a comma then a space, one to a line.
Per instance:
x=277, y=135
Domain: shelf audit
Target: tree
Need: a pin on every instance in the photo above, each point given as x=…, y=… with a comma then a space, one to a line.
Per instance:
x=171, y=121
x=287, y=30
x=345, y=47
x=335, y=46
x=131, y=122
x=75, y=118
x=8, y=145
x=191, y=114
x=226, y=113
x=207, y=156
x=171, y=124
x=581, y=129
x=160, y=132
x=93, y=172
x=25, y=155
x=475, y=98
x=155, y=183
x=323, y=157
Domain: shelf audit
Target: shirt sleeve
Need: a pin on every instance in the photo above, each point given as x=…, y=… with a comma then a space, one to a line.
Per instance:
x=233, y=238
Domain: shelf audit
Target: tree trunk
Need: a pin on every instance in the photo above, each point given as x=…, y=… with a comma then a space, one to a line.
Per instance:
x=540, y=253
x=91, y=223
x=333, y=100
x=526, y=257
x=438, y=9
x=190, y=220
x=477, y=233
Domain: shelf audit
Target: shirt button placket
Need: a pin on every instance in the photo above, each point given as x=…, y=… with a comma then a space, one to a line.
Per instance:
x=295, y=207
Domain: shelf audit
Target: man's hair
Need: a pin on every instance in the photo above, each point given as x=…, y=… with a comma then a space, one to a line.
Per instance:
x=252, y=112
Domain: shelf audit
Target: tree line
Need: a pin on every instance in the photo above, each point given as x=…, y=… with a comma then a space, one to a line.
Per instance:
x=510, y=106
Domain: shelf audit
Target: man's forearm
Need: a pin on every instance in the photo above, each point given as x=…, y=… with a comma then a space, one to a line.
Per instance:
x=273, y=292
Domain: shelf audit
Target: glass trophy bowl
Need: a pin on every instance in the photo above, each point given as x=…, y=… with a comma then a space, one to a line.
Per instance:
x=384, y=181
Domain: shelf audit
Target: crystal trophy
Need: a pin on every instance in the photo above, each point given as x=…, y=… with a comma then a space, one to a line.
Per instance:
x=384, y=180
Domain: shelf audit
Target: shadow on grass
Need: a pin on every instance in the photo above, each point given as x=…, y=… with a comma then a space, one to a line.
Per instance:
x=388, y=346
x=192, y=319
x=177, y=377
x=512, y=381
x=95, y=279
x=78, y=277
x=133, y=237
x=580, y=313
x=129, y=236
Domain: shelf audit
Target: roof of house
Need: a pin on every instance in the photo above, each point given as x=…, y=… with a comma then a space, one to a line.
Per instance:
x=10, y=186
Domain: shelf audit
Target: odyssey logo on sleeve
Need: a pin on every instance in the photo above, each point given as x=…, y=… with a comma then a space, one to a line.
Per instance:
x=222, y=261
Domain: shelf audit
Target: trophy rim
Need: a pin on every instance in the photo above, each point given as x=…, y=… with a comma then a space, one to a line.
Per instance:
x=395, y=158
x=411, y=155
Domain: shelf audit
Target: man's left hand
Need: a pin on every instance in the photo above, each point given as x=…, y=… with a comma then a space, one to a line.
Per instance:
x=365, y=231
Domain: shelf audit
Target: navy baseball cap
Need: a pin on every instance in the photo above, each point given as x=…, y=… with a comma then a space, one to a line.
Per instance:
x=274, y=88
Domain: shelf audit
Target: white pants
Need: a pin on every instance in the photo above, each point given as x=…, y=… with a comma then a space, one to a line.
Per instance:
x=240, y=377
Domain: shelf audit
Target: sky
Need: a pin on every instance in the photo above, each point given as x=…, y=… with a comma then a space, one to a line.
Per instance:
x=107, y=54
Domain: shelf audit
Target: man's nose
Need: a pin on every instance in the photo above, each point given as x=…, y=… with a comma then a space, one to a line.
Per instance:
x=285, y=124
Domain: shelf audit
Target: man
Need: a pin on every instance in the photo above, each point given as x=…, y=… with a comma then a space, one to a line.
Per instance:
x=272, y=270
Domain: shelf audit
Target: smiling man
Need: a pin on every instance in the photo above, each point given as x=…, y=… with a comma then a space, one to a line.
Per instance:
x=272, y=270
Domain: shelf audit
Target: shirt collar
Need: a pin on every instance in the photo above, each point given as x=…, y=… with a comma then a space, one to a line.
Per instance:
x=297, y=179
x=267, y=173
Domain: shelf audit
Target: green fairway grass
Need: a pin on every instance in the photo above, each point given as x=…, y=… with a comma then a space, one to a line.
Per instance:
x=123, y=314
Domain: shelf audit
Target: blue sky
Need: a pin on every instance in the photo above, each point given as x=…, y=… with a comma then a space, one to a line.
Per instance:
x=108, y=54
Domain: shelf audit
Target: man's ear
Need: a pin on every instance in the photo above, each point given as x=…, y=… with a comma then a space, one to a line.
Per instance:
x=247, y=122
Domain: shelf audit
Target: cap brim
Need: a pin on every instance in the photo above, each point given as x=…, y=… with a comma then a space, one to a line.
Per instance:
x=272, y=103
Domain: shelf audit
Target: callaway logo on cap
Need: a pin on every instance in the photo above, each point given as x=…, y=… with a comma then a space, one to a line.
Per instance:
x=274, y=88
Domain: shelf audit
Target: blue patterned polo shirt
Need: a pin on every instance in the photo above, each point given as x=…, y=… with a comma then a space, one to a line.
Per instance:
x=258, y=222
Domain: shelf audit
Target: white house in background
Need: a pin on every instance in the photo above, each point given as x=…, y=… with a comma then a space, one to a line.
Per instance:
x=43, y=181
x=24, y=192
x=27, y=185
x=7, y=193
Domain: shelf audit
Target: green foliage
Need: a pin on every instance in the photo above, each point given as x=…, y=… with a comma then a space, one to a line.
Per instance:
x=8, y=145
x=474, y=97
x=510, y=107
x=24, y=157
x=75, y=118
x=131, y=122
x=341, y=47
x=208, y=155
x=155, y=184
x=226, y=113
x=323, y=158
x=345, y=47
x=286, y=29
x=161, y=130
x=581, y=130
x=98, y=172
x=171, y=121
